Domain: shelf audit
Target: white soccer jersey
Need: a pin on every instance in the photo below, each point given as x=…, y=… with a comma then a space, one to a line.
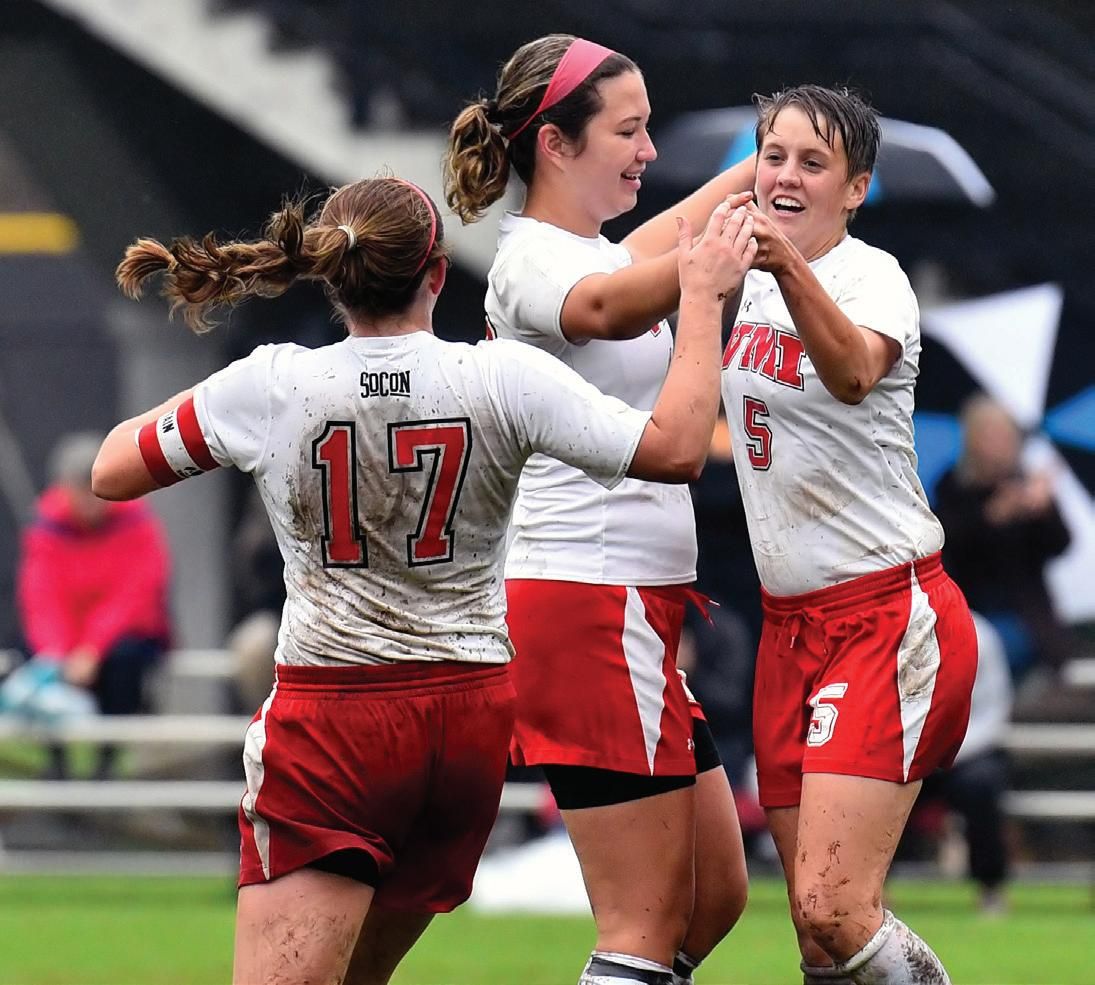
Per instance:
x=389, y=467
x=830, y=490
x=566, y=527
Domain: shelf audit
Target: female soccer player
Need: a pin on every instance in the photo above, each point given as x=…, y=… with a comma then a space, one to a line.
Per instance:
x=868, y=653
x=388, y=464
x=597, y=580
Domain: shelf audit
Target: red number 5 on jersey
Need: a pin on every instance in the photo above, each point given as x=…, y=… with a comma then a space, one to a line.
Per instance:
x=758, y=435
x=442, y=446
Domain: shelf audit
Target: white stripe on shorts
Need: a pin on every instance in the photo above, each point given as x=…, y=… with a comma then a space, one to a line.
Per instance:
x=255, y=772
x=644, y=652
x=917, y=667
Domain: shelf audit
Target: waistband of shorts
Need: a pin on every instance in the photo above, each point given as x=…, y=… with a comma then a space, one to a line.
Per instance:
x=379, y=678
x=847, y=594
x=681, y=593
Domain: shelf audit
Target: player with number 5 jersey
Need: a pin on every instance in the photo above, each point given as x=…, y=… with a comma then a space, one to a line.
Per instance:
x=868, y=654
x=388, y=464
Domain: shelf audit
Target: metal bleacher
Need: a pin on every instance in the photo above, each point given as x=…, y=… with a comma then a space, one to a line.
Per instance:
x=1025, y=741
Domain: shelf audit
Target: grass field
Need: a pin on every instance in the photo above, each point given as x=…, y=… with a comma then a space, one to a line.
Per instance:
x=161, y=931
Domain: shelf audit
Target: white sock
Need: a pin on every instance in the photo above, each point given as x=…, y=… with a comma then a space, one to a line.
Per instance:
x=612, y=968
x=683, y=966
x=825, y=975
x=895, y=956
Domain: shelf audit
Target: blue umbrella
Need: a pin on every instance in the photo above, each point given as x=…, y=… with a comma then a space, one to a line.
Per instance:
x=915, y=163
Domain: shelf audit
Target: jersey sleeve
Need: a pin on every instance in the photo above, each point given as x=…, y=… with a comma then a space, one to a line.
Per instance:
x=531, y=284
x=879, y=297
x=233, y=409
x=559, y=414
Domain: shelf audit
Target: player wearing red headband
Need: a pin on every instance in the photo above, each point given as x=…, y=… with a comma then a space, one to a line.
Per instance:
x=388, y=464
x=597, y=581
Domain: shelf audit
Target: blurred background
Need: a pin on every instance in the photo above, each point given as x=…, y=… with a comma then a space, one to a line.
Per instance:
x=122, y=118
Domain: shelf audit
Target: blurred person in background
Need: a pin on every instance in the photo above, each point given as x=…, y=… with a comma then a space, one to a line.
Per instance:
x=725, y=572
x=388, y=464
x=1003, y=526
x=868, y=654
x=976, y=785
x=597, y=581
x=92, y=585
x=719, y=653
x=258, y=577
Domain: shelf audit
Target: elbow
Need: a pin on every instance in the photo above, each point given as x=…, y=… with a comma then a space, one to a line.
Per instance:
x=691, y=471
x=104, y=487
x=851, y=391
x=685, y=468
x=109, y=485
x=668, y=468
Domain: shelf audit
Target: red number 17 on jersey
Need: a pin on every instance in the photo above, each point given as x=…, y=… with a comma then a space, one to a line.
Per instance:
x=442, y=447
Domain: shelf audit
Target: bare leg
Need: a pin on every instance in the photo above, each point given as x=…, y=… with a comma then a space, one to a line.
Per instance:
x=386, y=937
x=722, y=882
x=783, y=824
x=299, y=928
x=637, y=861
x=848, y=829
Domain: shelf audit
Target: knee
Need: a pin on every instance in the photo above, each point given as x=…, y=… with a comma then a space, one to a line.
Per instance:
x=734, y=900
x=630, y=920
x=837, y=919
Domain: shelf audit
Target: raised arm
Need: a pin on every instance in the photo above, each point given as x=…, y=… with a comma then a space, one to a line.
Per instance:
x=659, y=234
x=628, y=302
x=850, y=359
x=674, y=444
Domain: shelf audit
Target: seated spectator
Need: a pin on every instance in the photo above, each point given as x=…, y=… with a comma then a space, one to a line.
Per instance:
x=92, y=589
x=1002, y=526
x=975, y=786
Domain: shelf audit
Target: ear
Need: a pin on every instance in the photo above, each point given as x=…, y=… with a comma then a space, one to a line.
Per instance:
x=435, y=279
x=857, y=191
x=551, y=144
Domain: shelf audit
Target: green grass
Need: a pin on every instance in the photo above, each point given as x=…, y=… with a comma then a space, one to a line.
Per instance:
x=25, y=759
x=152, y=931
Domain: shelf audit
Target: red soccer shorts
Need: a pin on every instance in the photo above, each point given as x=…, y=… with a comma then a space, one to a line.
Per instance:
x=871, y=677
x=405, y=762
x=596, y=677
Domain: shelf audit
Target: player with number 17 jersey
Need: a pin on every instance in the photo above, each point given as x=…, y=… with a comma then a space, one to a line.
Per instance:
x=389, y=465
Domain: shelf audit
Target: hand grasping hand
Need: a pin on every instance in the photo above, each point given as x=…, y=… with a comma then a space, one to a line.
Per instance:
x=716, y=263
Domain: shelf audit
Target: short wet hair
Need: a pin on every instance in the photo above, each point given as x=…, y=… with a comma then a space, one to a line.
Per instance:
x=832, y=111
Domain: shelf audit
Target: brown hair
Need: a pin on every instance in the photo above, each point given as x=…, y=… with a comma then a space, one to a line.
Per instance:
x=840, y=109
x=480, y=155
x=379, y=274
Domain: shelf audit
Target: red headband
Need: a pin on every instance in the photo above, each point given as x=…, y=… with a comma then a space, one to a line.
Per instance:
x=433, y=222
x=577, y=65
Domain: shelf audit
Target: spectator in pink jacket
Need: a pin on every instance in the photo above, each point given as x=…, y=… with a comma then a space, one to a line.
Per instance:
x=92, y=588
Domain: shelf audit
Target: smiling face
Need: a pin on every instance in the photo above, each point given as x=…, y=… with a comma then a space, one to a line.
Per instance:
x=605, y=171
x=803, y=183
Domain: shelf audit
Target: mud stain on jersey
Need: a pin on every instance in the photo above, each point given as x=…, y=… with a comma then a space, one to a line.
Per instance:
x=305, y=507
x=821, y=494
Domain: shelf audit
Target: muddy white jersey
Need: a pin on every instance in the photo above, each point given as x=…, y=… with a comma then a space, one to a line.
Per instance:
x=566, y=527
x=830, y=490
x=389, y=467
